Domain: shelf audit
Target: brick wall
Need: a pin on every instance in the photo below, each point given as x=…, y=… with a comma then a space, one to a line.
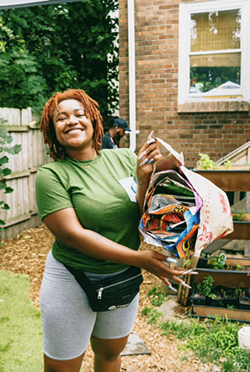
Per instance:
x=215, y=129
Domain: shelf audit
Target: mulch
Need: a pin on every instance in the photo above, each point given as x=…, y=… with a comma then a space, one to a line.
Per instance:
x=26, y=254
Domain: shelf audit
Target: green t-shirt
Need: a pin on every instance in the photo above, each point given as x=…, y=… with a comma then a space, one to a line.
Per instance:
x=100, y=202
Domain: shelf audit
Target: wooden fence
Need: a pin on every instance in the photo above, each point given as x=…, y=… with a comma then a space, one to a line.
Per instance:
x=24, y=128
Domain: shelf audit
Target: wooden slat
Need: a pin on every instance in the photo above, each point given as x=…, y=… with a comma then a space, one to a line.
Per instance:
x=228, y=180
x=24, y=166
x=241, y=231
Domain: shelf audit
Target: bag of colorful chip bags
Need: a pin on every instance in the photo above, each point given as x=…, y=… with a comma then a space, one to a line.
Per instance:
x=184, y=211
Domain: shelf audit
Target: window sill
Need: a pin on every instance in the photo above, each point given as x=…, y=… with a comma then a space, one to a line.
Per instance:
x=214, y=106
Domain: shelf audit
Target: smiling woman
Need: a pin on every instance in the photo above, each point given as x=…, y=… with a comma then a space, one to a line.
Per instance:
x=85, y=198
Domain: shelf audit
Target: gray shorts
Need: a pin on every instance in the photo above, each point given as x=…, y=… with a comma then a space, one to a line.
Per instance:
x=68, y=320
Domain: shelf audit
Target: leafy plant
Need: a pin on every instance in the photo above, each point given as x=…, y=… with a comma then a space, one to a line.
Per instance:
x=5, y=140
x=217, y=262
x=152, y=314
x=157, y=297
x=206, y=286
x=212, y=341
x=239, y=216
x=206, y=163
x=228, y=164
x=187, y=263
x=238, y=291
x=239, y=267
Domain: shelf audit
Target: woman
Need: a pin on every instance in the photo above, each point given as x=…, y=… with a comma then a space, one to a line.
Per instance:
x=82, y=199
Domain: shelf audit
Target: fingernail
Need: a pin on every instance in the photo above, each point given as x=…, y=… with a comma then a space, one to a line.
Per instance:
x=173, y=289
x=185, y=285
x=142, y=154
x=150, y=161
x=151, y=141
x=150, y=135
x=170, y=259
x=144, y=162
x=187, y=272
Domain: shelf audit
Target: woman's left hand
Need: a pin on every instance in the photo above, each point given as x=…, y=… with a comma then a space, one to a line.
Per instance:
x=148, y=155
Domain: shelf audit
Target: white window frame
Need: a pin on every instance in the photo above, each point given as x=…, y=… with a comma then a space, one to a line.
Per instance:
x=186, y=10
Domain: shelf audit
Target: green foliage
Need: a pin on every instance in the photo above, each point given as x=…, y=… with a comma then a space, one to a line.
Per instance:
x=206, y=286
x=228, y=164
x=157, y=298
x=239, y=216
x=152, y=314
x=238, y=291
x=21, y=84
x=187, y=263
x=212, y=77
x=5, y=139
x=21, y=326
x=55, y=47
x=239, y=267
x=212, y=341
x=217, y=263
x=206, y=163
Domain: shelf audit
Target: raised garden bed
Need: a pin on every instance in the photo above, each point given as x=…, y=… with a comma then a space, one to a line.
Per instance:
x=228, y=180
x=230, y=277
x=203, y=312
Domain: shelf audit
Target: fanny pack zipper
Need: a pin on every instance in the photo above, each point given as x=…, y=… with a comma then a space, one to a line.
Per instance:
x=100, y=290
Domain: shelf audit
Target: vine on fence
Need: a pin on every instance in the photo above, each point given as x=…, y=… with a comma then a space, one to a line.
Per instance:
x=5, y=140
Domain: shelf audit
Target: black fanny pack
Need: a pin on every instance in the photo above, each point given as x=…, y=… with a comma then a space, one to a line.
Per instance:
x=111, y=293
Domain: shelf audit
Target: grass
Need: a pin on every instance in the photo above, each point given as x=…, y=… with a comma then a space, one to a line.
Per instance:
x=20, y=326
x=212, y=341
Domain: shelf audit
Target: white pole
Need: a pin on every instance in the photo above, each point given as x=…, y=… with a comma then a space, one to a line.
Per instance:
x=131, y=62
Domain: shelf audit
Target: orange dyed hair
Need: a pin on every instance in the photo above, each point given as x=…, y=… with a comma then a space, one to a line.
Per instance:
x=91, y=108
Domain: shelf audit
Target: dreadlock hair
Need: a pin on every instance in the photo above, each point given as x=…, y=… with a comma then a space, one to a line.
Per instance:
x=91, y=110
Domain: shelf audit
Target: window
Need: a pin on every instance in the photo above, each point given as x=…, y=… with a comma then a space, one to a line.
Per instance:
x=214, y=49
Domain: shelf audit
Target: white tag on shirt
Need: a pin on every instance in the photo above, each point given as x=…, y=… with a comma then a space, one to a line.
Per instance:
x=130, y=186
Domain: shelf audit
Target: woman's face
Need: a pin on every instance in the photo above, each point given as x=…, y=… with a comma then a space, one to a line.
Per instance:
x=73, y=130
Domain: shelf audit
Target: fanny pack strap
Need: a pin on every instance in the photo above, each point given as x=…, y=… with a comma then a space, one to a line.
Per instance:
x=80, y=277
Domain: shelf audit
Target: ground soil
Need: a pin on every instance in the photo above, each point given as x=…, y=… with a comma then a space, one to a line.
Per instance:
x=26, y=254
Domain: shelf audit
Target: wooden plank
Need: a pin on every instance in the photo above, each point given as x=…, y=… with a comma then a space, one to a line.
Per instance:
x=228, y=180
x=15, y=128
x=26, y=116
x=241, y=231
x=12, y=116
x=205, y=311
x=247, y=243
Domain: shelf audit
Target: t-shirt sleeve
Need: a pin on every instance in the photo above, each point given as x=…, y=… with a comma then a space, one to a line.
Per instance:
x=51, y=196
x=134, y=163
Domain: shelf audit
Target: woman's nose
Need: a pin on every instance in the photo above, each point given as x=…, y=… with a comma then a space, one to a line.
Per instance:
x=72, y=120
